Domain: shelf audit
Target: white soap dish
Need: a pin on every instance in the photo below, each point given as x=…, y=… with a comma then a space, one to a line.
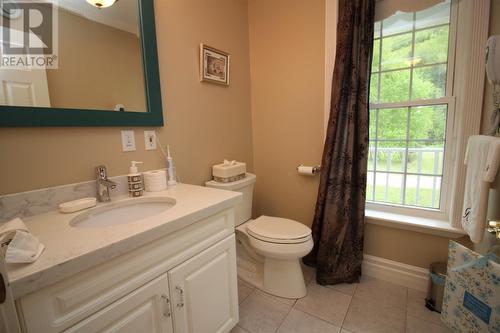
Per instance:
x=76, y=205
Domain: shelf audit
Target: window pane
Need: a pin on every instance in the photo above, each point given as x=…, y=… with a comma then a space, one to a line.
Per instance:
x=395, y=86
x=392, y=124
x=369, y=186
x=429, y=82
x=376, y=30
x=431, y=46
x=435, y=15
x=407, y=143
x=428, y=122
x=426, y=157
x=373, y=124
x=397, y=23
x=388, y=188
x=376, y=55
x=374, y=88
x=371, y=156
x=391, y=156
x=396, y=51
x=423, y=191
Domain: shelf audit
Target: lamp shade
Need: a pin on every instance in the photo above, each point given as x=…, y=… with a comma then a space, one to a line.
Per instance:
x=101, y=3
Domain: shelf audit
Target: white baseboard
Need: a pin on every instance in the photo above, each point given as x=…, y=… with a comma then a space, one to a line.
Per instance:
x=392, y=271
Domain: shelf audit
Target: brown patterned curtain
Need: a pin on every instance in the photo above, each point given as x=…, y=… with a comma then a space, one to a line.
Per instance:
x=340, y=208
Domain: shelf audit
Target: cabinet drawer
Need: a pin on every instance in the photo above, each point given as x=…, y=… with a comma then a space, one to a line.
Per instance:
x=63, y=304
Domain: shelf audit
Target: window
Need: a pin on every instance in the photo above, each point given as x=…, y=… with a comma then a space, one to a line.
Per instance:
x=411, y=105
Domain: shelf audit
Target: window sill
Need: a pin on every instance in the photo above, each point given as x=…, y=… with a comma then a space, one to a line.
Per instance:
x=428, y=226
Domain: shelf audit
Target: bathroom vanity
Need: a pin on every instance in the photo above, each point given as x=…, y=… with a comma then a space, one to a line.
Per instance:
x=173, y=270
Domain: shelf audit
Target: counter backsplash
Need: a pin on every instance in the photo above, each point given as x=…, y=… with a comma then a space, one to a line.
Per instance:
x=44, y=200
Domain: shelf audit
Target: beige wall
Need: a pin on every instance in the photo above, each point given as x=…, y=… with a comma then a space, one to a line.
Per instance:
x=204, y=122
x=412, y=248
x=286, y=46
x=287, y=68
x=99, y=67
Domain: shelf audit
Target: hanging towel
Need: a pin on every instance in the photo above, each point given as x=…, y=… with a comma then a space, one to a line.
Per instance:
x=493, y=161
x=22, y=246
x=482, y=159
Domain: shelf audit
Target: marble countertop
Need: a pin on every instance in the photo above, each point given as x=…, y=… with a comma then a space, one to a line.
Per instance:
x=69, y=250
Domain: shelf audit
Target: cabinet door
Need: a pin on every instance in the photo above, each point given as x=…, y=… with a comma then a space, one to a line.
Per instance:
x=204, y=290
x=147, y=309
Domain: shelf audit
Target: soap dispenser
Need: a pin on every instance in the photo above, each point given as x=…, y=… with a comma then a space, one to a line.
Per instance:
x=135, y=188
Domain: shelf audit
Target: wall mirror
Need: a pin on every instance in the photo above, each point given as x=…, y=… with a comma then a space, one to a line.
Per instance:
x=79, y=63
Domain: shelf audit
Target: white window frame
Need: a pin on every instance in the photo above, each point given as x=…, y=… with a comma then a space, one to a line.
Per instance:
x=471, y=30
x=472, y=33
x=443, y=212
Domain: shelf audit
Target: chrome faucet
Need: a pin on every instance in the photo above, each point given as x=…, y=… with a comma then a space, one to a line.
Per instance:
x=103, y=184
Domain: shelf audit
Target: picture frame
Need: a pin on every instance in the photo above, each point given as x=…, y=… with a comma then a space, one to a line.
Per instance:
x=214, y=65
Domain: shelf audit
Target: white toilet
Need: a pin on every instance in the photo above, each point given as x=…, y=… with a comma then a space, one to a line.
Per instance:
x=269, y=249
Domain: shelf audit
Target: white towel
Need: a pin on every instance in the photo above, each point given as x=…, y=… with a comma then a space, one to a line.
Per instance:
x=493, y=161
x=23, y=247
x=482, y=159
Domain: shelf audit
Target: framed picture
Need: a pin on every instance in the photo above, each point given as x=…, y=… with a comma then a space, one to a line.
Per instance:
x=214, y=65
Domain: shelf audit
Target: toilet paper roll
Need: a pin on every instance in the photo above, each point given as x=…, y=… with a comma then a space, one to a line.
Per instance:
x=306, y=170
x=156, y=188
x=156, y=174
x=155, y=181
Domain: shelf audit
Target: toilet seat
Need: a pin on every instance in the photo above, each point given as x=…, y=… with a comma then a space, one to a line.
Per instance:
x=278, y=230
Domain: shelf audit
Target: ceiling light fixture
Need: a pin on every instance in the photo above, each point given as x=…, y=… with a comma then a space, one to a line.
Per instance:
x=102, y=3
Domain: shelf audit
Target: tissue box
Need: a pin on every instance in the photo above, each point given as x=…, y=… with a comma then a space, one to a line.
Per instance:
x=471, y=301
x=229, y=171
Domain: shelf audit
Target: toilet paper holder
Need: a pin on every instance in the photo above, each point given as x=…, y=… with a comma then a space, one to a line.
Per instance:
x=308, y=170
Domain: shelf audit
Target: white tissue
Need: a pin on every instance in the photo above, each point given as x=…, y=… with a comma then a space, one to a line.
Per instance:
x=23, y=246
x=13, y=225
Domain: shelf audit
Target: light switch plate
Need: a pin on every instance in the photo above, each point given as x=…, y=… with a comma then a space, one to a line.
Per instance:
x=128, y=140
x=150, y=140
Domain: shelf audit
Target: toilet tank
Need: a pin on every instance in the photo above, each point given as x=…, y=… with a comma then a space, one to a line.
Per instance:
x=243, y=211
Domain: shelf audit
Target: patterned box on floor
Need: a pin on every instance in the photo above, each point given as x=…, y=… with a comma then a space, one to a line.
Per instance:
x=471, y=300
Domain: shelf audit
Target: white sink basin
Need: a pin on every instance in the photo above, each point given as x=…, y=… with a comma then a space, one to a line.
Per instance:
x=122, y=212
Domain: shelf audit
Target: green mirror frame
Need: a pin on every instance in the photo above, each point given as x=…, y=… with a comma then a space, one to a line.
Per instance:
x=20, y=116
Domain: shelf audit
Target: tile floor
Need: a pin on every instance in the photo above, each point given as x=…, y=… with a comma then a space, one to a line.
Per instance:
x=372, y=306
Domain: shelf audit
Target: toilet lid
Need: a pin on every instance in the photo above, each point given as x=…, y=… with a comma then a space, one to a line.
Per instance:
x=278, y=229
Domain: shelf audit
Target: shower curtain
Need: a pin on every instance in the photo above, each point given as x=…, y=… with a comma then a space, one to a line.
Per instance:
x=340, y=208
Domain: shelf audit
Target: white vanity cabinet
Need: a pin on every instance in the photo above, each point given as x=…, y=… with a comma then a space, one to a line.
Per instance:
x=183, y=282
